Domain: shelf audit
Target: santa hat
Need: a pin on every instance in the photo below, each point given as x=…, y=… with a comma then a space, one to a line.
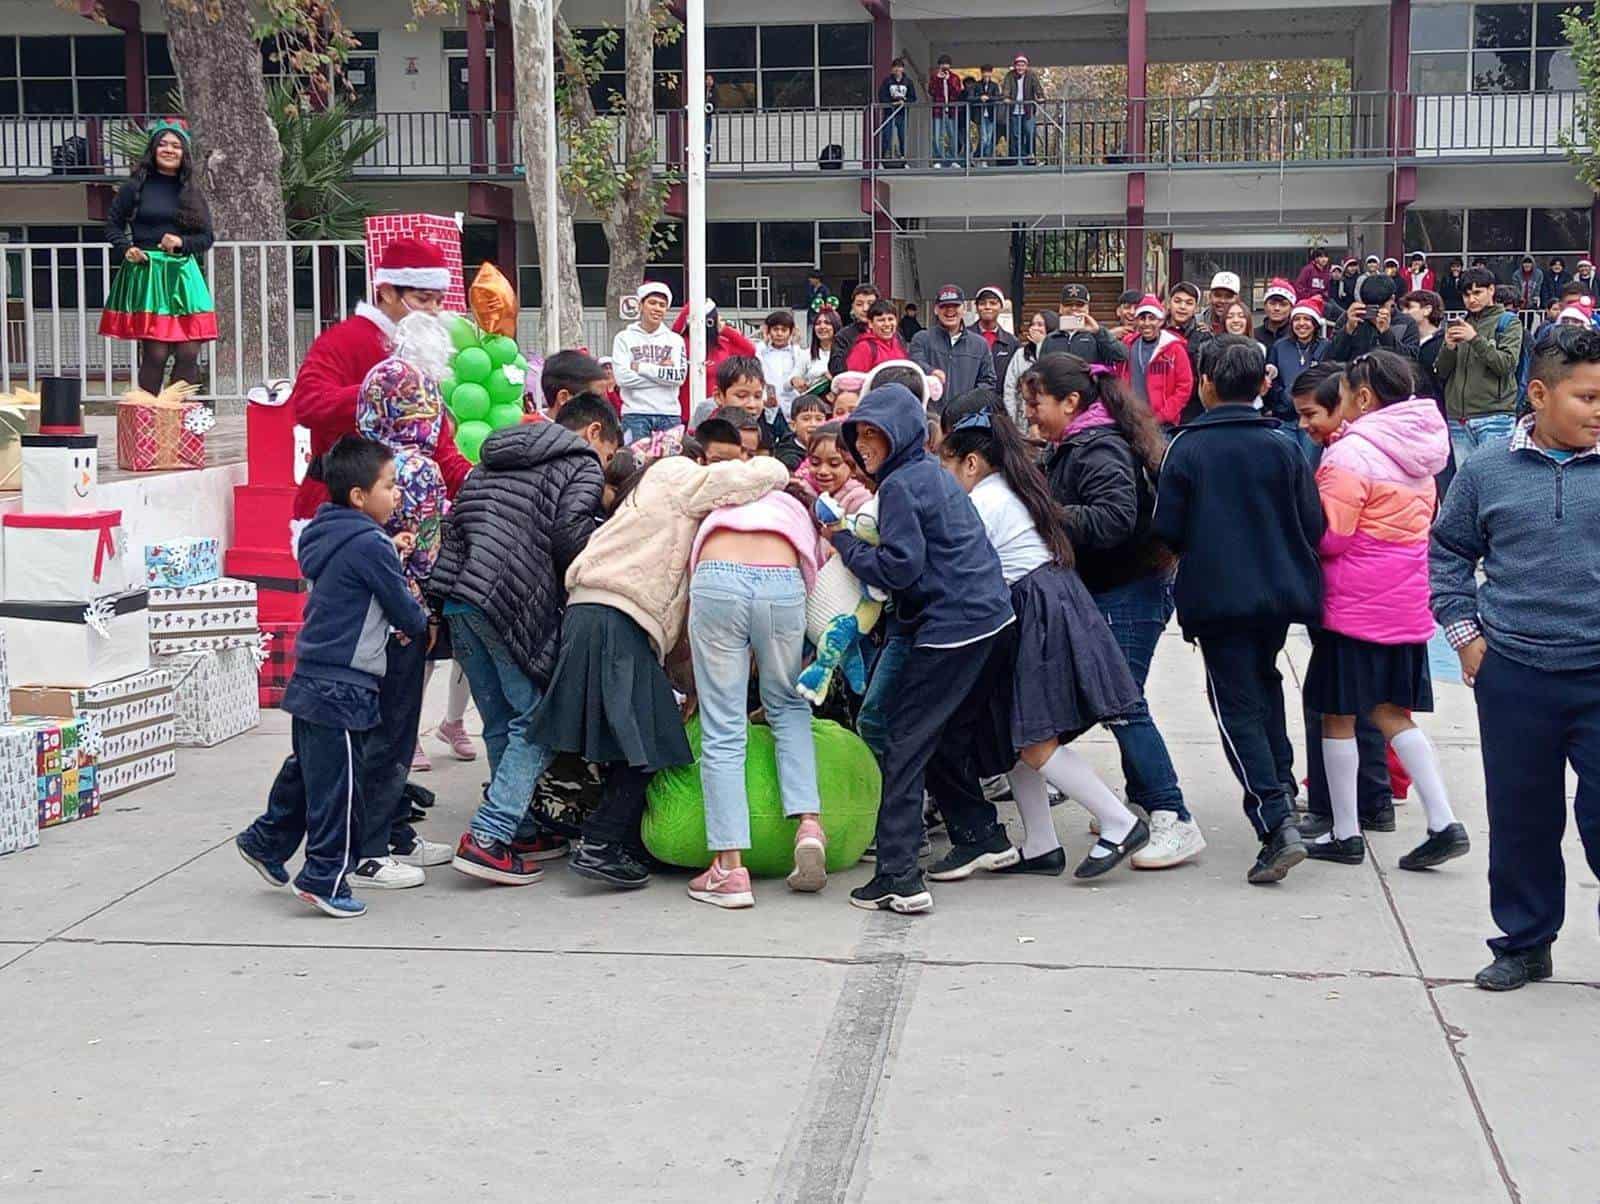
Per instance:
x=1311, y=307
x=412, y=263
x=1149, y=304
x=654, y=288
x=1580, y=309
x=1279, y=287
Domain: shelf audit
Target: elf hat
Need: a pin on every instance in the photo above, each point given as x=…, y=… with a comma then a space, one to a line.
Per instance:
x=412, y=263
x=170, y=125
x=1149, y=304
x=1311, y=307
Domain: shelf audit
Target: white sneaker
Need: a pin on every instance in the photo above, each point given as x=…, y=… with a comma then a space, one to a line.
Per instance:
x=426, y=852
x=385, y=873
x=1172, y=842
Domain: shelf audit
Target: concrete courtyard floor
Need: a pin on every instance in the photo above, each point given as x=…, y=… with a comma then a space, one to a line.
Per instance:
x=176, y=1031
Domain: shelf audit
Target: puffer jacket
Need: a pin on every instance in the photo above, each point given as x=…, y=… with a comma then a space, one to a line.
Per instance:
x=1107, y=497
x=638, y=561
x=1376, y=485
x=516, y=526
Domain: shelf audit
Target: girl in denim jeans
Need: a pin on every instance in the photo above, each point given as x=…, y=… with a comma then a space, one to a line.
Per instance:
x=753, y=565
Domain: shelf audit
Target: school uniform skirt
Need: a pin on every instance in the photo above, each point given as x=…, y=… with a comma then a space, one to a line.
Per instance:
x=609, y=700
x=1348, y=676
x=1068, y=673
x=165, y=298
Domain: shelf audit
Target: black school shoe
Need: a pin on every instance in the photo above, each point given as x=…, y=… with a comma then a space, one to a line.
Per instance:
x=1092, y=866
x=1509, y=971
x=1053, y=863
x=611, y=864
x=1439, y=848
x=1313, y=826
x=1352, y=850
x=1281, y=851
x=964, y=860
x=907, y=894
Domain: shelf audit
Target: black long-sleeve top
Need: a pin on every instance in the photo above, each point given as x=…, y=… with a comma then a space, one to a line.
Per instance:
x=140, y=216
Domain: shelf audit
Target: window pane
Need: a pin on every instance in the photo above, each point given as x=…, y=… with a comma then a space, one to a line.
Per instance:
x=861, y=230
x=730, y=242
x=1439, y=26
x=670, y=56
x=361, y=74
x=735, y=90
x=44, y=57
x=843, y=87
x=615, y=58
x=1548, y=30
x=1435, y=73
x=787, y=242
x=668, y=248
x=1504, y=267
x=1500, y=71
x=590, y=240
x=157, y=57
x=844, y=45
x=666, y=91
x=671, y=277
x=730, y=46
x=1554, y=71
x=722, y=283
x=8, y=97
x=787, y=287
x=163, y=93
x=788, y=45
x=8, y=57
x=368, y=39
x=479, y=241
x=790, y=89
x=592, y=284
x=47, y=96
x=1560, y=230
x=1491, y=230
x=1497, y=26
x=456, y=67
x=530, y=288
x=99, y=55
x=102, y=96
x=1436, y=231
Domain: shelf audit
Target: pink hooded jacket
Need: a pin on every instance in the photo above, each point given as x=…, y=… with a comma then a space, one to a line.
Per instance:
x=1376, y=482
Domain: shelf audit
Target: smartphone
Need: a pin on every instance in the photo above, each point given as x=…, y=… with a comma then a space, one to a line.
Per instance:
x=1072, y=322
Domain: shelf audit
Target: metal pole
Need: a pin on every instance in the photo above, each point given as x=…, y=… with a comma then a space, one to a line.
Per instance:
x=550, y=258
x=694, y=66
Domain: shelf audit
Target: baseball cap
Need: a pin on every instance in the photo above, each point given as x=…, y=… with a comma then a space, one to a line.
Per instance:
x=1280, y=288
x=990, y=290
x=1227, y=280
x=950, y=294
x=1075, y=292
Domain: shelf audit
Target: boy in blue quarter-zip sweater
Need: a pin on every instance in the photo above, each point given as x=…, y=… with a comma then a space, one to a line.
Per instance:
x=1529, y=641
x=358, y=593
x=951, y=604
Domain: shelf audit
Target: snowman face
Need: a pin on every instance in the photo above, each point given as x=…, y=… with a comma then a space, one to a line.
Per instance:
x=85, y=471
x=59, y=474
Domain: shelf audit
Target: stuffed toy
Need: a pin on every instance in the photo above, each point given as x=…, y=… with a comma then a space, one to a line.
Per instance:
x=840, y=610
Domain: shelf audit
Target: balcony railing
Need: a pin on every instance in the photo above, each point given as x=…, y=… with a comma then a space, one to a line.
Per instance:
x=1069, y=134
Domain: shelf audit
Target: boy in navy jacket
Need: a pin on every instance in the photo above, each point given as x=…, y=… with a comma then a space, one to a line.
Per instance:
x=1237, y=502
x=950, y=599
x=358, y=593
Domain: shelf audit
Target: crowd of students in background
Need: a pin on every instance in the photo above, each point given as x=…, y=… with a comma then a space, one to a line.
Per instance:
x=1042, y=506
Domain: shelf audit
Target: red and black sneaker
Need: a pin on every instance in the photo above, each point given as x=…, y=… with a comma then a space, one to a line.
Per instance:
x=494, y=862
x=544, y=847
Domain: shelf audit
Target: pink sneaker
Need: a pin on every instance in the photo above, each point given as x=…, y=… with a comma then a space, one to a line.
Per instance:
x=810, y=872
x=455, y=735
x=723, y=888
x=420, y=762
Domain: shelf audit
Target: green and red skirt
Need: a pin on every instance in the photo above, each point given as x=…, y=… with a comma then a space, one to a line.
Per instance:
x=165, y=299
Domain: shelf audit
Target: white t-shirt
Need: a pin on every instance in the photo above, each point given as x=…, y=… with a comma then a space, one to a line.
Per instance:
x=780, y=365
x=1009, y=527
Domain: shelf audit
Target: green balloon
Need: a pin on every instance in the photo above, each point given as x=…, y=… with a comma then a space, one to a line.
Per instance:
x=503, y=416
x=447, y=386
x=501, y=349
x=473, y=364
x=471, y=402
x=501, y=391
x=520, y=362
x=470, y=437
x=463, y=333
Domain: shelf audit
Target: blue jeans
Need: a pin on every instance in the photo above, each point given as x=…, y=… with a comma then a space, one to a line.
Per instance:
x=893, y=136
x=642, y=426
x=986, y=135
x=1138, y=614
x=506, y=697
x=944, y=140
x=736, y=610
x=1467, y=437
x=872, y=719
x=1019, y=130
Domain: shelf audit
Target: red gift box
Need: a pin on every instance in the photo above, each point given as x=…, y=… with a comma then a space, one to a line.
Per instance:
x=160, y=432
x=440, y=232
x=279, y=665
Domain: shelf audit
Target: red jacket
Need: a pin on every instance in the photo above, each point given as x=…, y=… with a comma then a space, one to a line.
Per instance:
x=950, y=88
x=868, y=351
x=324, y=398
x=1169, y=380
x=1312, y=281
x=729, y=343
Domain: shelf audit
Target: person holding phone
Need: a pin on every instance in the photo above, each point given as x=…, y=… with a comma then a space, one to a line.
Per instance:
x=1371, y=324
x=1079, y=334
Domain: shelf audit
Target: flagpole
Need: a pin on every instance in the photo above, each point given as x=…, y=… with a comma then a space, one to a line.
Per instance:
x=694, y=61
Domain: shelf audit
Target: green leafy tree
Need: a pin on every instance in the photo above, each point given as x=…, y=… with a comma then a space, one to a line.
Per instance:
x=1583, y=34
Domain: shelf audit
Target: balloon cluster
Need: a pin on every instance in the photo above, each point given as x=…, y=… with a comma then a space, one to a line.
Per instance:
x=484, y=389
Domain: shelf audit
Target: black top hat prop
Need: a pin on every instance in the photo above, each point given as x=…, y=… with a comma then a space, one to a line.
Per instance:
x=60, y=405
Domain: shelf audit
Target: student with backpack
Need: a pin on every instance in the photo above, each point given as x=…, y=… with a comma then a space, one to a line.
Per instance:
x=1479, y=366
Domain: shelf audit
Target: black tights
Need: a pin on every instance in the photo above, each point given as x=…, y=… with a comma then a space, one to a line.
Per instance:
x=153, y=355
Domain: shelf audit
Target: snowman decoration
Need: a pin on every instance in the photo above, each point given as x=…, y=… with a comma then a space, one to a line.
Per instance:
x=61, y=464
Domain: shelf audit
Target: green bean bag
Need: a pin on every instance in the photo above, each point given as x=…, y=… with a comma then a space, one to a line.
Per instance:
x=847, y=775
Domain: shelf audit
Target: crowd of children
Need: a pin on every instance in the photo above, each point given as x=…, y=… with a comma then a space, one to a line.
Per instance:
x=600, y=578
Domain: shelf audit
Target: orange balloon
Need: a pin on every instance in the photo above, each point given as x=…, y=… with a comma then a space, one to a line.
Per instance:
x=494, y=301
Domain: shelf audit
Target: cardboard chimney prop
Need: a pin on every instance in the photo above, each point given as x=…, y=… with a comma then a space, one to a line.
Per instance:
x=60, y=465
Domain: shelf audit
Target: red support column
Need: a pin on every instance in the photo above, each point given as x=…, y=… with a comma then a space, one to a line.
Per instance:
x=875, y=203
x=882, y=56
x=478, y=86
x=1401, y=133
x=1133, y=238
x=1138, y=60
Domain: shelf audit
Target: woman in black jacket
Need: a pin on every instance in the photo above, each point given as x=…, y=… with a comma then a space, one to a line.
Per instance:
x=159, y=225
x=1107, y=449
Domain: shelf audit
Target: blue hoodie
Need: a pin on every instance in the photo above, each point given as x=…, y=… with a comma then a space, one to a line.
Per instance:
x=933, y=555
x=357, y=594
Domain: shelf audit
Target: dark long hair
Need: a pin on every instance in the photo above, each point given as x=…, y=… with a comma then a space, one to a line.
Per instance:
x=977, y=423
x=193, y=212
x=1061, y=375
x=829, y=314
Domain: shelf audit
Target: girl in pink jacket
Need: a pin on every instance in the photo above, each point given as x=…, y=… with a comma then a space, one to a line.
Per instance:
x=1371, y=655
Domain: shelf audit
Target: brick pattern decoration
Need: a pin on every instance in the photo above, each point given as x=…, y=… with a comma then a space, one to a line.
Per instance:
x=440, y=232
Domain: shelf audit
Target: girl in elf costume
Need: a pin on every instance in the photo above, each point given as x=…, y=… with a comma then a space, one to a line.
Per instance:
x=159, y=225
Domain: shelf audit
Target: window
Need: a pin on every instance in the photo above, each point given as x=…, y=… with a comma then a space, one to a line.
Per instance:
x=8, y=77
x=160, y=77
x=668, y=67
x=63, y=75
x=844, y=57
x=1499, y=236
x=361, y=72
x=1492, y=48
x=457, y=71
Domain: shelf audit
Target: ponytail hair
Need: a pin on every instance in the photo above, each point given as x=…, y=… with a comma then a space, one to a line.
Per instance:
x=976, y=424
x=1061, y=375
x=1388, y=375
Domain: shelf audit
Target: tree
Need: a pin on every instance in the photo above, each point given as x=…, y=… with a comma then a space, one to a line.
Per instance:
x=1582, y=145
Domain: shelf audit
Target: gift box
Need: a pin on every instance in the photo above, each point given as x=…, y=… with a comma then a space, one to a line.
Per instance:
x=277, y=449
x=114, y=780
x=19, y=807
x=216, y=695
x=278, y=666
x=5, y=682
x=175, y=563
x=65, y=785
x=132, y=720
x=442, y=233
x=262, y=517
x=64, y=557
x=73, y=644
x=19, y=416
x=163, y=430
x=218, y=614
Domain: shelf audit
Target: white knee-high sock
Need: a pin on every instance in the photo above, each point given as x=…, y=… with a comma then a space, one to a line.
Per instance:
x=1416, y=753
x=455, y=707
x=1038, y=829
x=1341, y=760
x=1074, y=777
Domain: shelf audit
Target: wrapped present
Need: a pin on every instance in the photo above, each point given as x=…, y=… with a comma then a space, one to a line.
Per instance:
x=19, y=416
x=65, y=783
x=77, y=644
x=64, y=557
x=117, y=779
x=19, y=807
x=175, y=563
x=5, y=682
x=218, y=614
x=277, y=666
x=163, y=430
x=132, y=720
x=277, y=449
x=442, y=233
x=216, y=694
